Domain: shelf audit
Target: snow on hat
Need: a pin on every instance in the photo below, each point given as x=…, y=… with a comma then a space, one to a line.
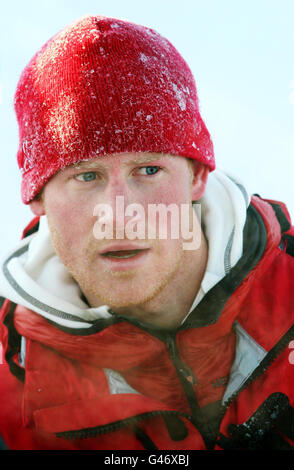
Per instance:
x=105, y=86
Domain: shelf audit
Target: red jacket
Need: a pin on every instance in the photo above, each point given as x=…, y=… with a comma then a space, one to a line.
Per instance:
x=222, y=380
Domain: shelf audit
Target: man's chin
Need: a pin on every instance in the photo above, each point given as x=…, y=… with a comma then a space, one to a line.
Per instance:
x=123, y=300
x=128, y=294
x=125, y=289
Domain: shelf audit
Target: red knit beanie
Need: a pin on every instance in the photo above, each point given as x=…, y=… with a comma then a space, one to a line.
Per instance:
x=104, y=86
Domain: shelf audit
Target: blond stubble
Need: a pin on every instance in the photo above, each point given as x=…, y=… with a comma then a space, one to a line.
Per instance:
x=90, y=288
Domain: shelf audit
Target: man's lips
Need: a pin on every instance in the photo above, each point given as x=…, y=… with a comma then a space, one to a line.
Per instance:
x=122, y=251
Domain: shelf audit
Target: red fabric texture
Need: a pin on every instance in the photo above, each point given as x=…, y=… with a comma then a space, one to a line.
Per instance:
x=119, y=347
x=105, y=86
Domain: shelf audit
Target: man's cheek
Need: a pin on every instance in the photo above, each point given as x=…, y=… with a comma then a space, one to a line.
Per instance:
x=71, y=220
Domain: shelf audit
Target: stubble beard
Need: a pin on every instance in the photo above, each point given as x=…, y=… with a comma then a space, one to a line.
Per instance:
x=98, y=295
x=135, y=294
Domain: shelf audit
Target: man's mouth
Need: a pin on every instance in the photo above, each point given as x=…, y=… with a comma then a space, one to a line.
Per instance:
x=122, y=254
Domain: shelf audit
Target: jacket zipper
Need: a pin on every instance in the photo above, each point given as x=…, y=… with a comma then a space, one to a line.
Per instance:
x=188, y=380
x=99, y=430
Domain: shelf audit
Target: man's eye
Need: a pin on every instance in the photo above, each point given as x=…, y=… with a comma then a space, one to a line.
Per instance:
x=149, y=170
x=88, y=176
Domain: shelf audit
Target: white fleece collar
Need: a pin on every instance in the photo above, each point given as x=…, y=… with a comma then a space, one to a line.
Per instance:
x=223, y=216
x=37, y=279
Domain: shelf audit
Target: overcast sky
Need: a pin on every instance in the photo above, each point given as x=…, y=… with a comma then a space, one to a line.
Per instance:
x=241, y=54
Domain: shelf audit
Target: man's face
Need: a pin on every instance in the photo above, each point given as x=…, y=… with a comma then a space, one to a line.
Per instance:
x=119, y=272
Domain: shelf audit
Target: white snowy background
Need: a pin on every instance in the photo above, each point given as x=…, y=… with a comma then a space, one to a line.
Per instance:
x=241, y=54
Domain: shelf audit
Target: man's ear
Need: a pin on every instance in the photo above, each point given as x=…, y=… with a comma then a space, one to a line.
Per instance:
x=200, y=175
x=37, y=207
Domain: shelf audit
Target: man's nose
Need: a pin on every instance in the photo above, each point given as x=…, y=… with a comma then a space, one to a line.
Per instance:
x=120, y=197
x=118, y=194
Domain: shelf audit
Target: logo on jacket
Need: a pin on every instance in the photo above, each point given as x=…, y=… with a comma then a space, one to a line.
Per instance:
x=220, y=382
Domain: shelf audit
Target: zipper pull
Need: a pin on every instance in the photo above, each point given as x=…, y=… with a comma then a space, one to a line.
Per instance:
x=184, y=369
x=188, y=374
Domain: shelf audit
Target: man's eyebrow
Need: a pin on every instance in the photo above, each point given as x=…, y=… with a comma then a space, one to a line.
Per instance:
x=146, y=159
x=85, y=164
x=95, y=164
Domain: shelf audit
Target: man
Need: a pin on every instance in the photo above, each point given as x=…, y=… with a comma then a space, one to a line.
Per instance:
x=113, y=338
